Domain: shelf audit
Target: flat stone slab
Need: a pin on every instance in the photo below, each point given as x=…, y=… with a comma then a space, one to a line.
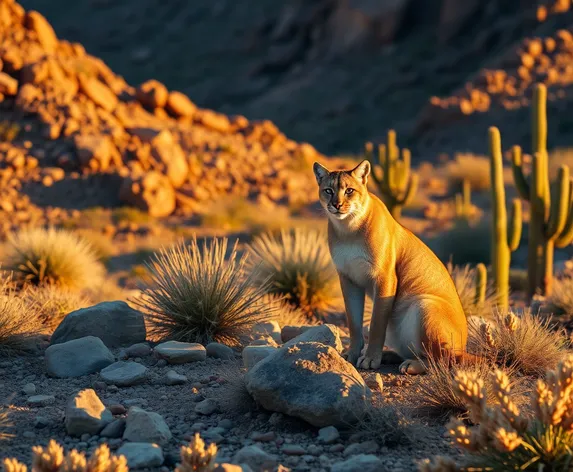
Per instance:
x=124, y=374
x=175, y=352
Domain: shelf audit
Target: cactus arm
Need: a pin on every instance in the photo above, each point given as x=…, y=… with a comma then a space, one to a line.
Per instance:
x=481, y=284
x=404, y=175
x=515, y=225
x=411, y=190
x=566, y=236
x=518, y=175
x=559, y=205
x=539, y=114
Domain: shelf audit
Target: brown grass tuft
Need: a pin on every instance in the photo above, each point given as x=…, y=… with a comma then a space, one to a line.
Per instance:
x=196, y=295
x=18, y=324
x=233, y=397
x=49, y=256
x=299, y=268
x=523, y=342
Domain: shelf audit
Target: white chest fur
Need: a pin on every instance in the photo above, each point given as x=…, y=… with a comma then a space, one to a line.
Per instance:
x=353, y=261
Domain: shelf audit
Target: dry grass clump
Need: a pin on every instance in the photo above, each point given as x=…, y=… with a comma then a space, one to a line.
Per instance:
x=283, y=312
x=299, y=268
x=52, y=303
x=196, y=295
x=196, y=457
x=522, y=342
x=439, y=397
x=562, y=295
x=464, y=278
x=18, y=323
x=102, y=245
x=233, y=398
x=41, y=256
x=52, y=459
x=474, y=169
x=505, y=439
x=5, y=424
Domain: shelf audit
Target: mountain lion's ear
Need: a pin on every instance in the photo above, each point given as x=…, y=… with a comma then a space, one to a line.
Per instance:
x=320, y=172
x=361, y=171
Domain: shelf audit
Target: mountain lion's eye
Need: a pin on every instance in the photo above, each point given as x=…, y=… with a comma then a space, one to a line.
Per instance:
x=349, y=191
x=328, y=191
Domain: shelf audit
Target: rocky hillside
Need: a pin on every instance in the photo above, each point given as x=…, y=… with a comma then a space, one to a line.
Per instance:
x=70, y=128
x=334, y=72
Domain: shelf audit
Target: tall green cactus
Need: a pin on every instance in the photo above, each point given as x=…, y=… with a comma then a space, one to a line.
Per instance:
x=551, y=207
x=503, y=243
x=391, y=173
x=481, y=285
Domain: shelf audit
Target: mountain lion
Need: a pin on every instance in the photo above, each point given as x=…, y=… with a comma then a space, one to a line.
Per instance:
x=416, y=306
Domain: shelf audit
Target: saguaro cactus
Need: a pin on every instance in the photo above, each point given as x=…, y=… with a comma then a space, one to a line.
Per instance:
x=551, y=208
x=391, y=173
x=481, y=285
x=503, y=243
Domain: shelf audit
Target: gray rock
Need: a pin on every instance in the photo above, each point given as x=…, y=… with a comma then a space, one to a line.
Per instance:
x=255, y=458
x=310, y=381
x=325, y=334
x=115, y=323
x=225, y=467
x=360, y=463
x=78, y=357
x=29, y=389
x=291, y=331
x=254, y=354
x=85, y=413
x=173, y=378
x=206, y=407
x=175, y=352
x=219, y=351
x=293, y=450
x=328, y=435
x=268, y=328
x=114, y=429
x=141, y=455
x=367, y=447
x=41, y=400
x=138, y=350
x=146, y=426
x=124, y=374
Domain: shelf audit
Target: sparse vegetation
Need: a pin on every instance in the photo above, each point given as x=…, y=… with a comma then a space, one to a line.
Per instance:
x=284, y=313
x=130, y=215
x=196, y=457
x=299, y=268
x=505, y=439
x=197, y=295
x=521, y=342
x=476, y=292
x=18, y=323
x=101, y=244
x=233, y=398
x=5, y=424
x=469, y=168
x=49, y=256
x=562, y=295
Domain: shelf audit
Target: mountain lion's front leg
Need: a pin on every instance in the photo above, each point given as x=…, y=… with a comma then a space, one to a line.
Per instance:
x=384, y=295
x=354, y=304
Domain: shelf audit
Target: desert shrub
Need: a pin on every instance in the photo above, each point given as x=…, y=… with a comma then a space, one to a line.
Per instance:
x=284, y=313
x=523, y=342
x=52, y=304
x=233, y=398
x=196, y=457
x=242, y=214
x=102, y=246
x=505, y=439
x=198, y=296
x=18, y=323
x=464, y=278
x=5, y=423
x=463, y=243
x=105, y=291
x=438, y=395
x=562, y=295
x=130, y=215
x=49, y=256
x=469, y=167
x=299, y=268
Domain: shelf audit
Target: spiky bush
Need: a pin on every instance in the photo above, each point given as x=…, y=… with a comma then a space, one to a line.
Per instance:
x=523, y=342
x=299, y=268
x=507, y=440
x=5, y=424
x=52, y=304
x=438, y=395
x=50, y=256
x=196, y=295
x=18, y=323
x=196, y=457
x=464, y=278
x=234, y=398
x=283, y=312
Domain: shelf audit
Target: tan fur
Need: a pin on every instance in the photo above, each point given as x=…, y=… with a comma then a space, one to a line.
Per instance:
x=416, y=306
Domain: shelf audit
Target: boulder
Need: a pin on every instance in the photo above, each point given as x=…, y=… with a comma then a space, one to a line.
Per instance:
x=255, y=458
x=327, y=334
x=310, y=381
x=268, y=328
x=141, y=455
x=98, y=92
x=124, y=374
x=359, y=463
x=114, y=429
x=115, y=323
x=86, y=414
x=328, y=435
x=151, y=192
x=291, y=331
x=175, y=352
x=219, y=351
x=254, y=354
x=77, y=357
x=179, y=105
x=146, y=426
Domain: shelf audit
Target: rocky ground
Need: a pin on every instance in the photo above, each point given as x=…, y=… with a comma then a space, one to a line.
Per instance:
x=162, y=394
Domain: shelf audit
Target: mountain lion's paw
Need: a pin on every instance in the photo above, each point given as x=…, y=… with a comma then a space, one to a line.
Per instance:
x=369, y=361
x=412, y=367
x=352, y=355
